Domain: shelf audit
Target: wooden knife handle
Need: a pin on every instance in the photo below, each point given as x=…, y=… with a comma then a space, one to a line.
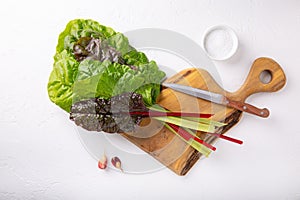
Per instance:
x=245, y=107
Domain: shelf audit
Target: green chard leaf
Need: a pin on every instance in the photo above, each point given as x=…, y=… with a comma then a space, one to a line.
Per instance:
x=135, y=58
x=61, y=80
x=107, y=79
x=78, y=28
x=81, y=71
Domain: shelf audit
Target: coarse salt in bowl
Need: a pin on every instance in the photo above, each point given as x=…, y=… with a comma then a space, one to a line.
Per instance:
x=220, y=42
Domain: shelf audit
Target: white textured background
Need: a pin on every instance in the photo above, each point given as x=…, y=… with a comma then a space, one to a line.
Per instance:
x=41, y=156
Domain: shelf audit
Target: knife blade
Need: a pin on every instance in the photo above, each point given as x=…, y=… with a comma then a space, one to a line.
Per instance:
x=218, y=99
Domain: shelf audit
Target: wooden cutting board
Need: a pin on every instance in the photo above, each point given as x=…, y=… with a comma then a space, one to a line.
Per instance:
x=171, y=150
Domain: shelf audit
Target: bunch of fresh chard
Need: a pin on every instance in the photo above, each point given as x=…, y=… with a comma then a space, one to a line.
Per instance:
x=123, y=113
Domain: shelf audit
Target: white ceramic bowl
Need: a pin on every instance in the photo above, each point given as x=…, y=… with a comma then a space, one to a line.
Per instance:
x=220, y=42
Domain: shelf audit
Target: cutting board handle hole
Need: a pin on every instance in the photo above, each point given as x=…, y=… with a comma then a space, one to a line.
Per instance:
x=265, y=76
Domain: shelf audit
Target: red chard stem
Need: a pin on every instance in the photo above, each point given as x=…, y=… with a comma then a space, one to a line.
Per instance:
x=172, y=114
x=226, y=138
x=187, y=136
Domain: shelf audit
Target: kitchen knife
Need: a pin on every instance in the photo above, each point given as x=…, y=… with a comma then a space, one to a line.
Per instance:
x=218, y=99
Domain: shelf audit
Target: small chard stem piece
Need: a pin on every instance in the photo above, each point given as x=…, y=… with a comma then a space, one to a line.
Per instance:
x=187, y=136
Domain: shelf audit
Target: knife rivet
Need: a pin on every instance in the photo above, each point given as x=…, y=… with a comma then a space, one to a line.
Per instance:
x=245, y=107
x=262, y=113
